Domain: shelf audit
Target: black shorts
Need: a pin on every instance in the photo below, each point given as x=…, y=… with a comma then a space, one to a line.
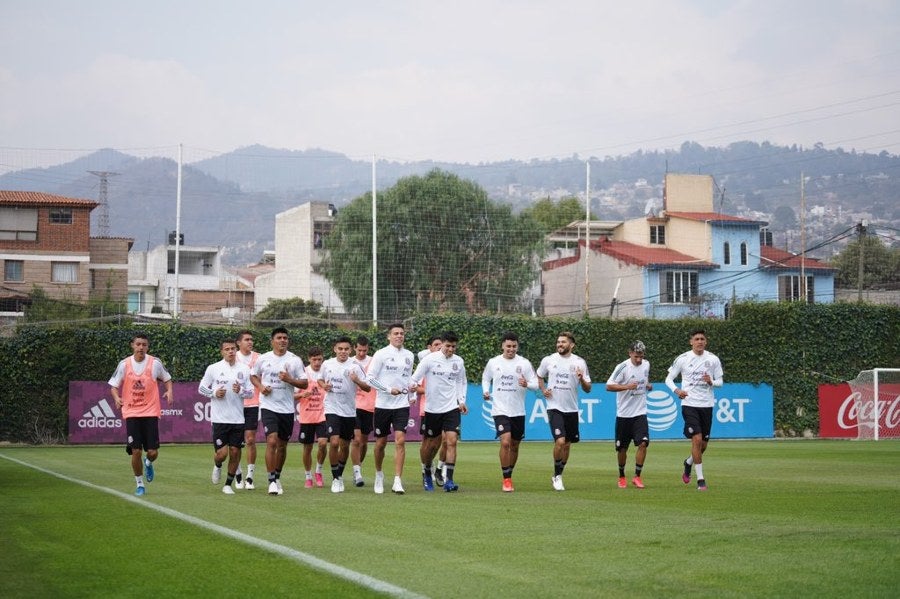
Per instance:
x=309, y=432
x=230, y=435
x=143, y=433
x=632, y=429
x=388, y=418
x=343, y=426
x=564, y=424
x=514, y=425
x=365, y=421
x=435, y=424
x=276, y=422
x=697, y=420
x=251, y=418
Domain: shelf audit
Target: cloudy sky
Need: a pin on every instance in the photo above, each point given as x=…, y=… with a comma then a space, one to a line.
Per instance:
x=465, y=81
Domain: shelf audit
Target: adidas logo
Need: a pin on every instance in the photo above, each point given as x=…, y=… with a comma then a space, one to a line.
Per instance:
x=101, y=415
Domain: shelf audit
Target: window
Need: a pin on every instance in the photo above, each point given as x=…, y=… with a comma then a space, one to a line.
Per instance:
x=658, y=234
x=789, y=288
x=61, y=216
x=64, y=272
x=743, y=253
x=765, y=237
x=18, y=224
x=726, y=251
x=321, y=229
x=677, y=287
x=13, y=270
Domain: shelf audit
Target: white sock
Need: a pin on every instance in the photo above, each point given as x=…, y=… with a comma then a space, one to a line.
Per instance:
x=309, y=475
x=318, y=468
x=379, y=474
x=357, y=471
x=250, y=469
x=699, y=469
x=690, y=460
x=238, y=471
x=440, y=465
x=139, y=480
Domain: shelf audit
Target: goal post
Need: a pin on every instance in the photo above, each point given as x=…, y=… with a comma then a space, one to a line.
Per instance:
x=876, y=395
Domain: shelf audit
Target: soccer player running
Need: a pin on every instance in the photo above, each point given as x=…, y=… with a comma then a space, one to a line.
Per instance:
x=389, y=373
x=277, y=373
x=444, y=376
x=508, y=375
x=340, y=378
x=564, y=373
x=630, y=380
x=365, y=413
x=227, y=383
x=311, y=416
x=700, y=371
x=433, y=345
x=246, y=355
x=137, y=375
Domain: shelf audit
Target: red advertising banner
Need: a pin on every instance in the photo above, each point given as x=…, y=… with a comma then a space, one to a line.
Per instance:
x=839, y=411
x=94, y=417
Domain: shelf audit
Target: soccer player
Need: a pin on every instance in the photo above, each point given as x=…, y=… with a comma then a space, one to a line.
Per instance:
x=508, y=375
x=226, y=383
x=443, y=374
x=340, y=378
x=139, y=401
x=559, y=377
x=311, y=416
x=700, y=371
x=433, y=345
x=365, y=413
x=277, y=373
x=247, y=356
x=630, y=380
x=389, y=373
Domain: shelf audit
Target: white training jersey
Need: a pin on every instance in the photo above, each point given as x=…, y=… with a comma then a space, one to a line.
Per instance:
x=391, y=368
x=691, y=367
x=341, y=400
x=562, y=380
x=501, y=380
x=281, y=399
x=631, y=402
x=222, y=375
x=445, y=382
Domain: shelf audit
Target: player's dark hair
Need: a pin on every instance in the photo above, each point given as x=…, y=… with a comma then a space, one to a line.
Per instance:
x=567, y=335
x=509, y=336
x=696, y=332
x=450, y=336
x=278, y=330
x=362, y=340
x=313, y=351
x=342, y=339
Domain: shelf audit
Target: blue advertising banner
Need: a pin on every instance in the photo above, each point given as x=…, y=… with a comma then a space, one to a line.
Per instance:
x=742, y=411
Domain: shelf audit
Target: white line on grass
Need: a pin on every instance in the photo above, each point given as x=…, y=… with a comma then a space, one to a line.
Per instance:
x=298, y=556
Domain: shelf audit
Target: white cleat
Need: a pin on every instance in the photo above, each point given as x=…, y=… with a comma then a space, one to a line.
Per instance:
x=379, y=484
x=557, y=483
x=228, y=490
x=216, y=474
x=397, y=486
x=273, y=488
x=248, y=485
x=278, y=484
x=337, y=486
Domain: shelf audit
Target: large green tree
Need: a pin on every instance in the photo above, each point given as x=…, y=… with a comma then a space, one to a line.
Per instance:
x=881, y=264
x=550, y=215
x=442, y=245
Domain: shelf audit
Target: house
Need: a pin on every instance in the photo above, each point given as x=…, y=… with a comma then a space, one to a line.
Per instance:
x=686, y=260
x=45, y=241
x=299, y=250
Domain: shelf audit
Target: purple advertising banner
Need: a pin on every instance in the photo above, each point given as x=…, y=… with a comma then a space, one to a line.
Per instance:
x=94, y=417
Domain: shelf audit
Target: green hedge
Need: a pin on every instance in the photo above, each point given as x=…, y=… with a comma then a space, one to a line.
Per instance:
x=793, y=347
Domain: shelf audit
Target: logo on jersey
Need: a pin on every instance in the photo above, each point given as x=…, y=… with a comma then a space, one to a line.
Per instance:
x=101, y=415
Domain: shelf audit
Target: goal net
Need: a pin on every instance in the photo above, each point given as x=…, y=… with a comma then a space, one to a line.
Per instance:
x=876, y=397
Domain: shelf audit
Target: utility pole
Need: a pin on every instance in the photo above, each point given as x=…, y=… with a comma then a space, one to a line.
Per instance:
x=803, y=290
x=103, y=216
x=861, y=234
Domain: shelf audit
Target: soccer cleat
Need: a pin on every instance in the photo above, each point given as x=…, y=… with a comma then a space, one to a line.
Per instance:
x=358, y=480
x=439, y=477
x=249, y=484
x=686, y=476
x=622, y=482
x=148, y=470
x=337, y=486
x=397, y=487
x=701, y=485
x=427, y=480
x=637, y=482
x=278, y=486
x=508, y=485
x=228, y=490
x=140, y=491
x=379, y=484
x=557, y=483
x=308, y=484
x=319, y=481
x=273, y=488
x=216, y=474
x=238, y=479
x=450, y=486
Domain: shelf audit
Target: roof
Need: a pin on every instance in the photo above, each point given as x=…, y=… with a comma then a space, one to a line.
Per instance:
x=774, y=258
x=715, y=217
x=34, y=198
x=635, y=255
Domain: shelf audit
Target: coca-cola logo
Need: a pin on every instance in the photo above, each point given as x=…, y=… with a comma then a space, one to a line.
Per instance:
x=855, y=409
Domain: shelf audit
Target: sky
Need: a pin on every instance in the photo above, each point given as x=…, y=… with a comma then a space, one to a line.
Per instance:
x=463, y=81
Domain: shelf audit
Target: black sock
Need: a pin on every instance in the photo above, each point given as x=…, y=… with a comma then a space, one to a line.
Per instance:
x=336, y=471
x=558, y=467
x=621, y=471
x=341, y=466
x=637, y=469
x=507, y=472
x=450, y=468
x=229, y=480
x=272, y=476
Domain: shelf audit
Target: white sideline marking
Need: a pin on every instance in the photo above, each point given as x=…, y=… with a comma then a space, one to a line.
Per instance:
x=298, y=556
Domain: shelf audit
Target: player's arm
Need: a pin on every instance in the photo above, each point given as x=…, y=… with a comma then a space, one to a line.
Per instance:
x=486, y=380
x=674, y=372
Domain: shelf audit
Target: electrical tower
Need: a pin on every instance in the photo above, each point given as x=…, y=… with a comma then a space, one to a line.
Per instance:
x=103, y=217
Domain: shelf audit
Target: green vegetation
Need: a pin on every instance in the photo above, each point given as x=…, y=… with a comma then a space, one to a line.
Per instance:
x=781, y=518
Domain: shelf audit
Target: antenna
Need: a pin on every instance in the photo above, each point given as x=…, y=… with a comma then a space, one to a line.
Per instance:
x=103, y=218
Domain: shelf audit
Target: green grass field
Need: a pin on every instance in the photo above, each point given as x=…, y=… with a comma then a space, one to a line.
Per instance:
x=780, y=518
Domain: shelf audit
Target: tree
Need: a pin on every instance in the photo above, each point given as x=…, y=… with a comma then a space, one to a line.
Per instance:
x=289, y=309
x=881, y=265
x=784, y=218
x=442, y=245
x=551, y=216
